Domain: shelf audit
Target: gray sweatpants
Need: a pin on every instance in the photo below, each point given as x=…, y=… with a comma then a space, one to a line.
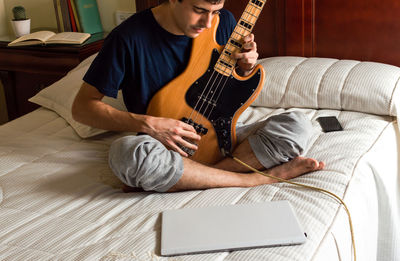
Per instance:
x=142, y=161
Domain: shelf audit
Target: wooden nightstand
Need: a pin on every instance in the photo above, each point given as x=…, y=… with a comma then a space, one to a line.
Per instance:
x=24, y=71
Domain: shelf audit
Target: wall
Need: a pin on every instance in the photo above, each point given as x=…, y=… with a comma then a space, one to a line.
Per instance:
x=42, y=13
x=3, y=26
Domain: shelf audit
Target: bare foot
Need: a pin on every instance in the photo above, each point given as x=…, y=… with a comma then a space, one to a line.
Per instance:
x=294, y=168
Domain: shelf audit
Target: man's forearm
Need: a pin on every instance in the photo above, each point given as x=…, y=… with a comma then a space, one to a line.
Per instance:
x=100, y=115
x=88, y=108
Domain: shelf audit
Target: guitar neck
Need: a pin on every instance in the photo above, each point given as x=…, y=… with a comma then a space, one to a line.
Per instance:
x=225, y=64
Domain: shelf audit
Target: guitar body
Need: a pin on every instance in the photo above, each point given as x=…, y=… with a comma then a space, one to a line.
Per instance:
x=217, y=110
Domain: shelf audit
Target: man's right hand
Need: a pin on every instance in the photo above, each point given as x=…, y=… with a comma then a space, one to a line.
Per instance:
x=89, y=109
x=172, y=132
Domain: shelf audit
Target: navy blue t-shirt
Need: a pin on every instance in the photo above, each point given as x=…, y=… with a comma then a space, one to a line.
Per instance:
x=140, y=57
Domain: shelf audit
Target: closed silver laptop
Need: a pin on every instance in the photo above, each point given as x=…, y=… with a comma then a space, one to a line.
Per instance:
x=232, y=227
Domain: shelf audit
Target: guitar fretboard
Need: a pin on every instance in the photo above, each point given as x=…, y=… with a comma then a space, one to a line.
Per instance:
x=225, y=64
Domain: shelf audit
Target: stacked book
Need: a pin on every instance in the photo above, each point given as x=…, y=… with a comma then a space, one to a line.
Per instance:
x=78, y=16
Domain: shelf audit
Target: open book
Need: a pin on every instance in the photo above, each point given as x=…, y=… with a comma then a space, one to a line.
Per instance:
x=48, y=37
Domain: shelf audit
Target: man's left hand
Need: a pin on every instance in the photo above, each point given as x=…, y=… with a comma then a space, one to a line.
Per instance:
x=247, y=58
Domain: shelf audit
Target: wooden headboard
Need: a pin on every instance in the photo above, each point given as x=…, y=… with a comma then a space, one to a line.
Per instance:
x=343, y=29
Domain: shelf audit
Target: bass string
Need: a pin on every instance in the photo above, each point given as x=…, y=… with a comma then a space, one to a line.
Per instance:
x=213, y=101
x=223, y=86
x=209, y=101
x=205, y=100
x=200, y=98
x=218, y=96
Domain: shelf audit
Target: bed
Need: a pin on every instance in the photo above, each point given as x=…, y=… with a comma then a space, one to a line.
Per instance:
x=60, y=201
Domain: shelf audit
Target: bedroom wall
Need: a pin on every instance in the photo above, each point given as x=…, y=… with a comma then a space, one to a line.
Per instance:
x=3, y=27
x=43, y=16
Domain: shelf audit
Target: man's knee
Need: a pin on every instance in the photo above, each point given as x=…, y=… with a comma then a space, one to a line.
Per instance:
x=282, y=138
x=141, y=161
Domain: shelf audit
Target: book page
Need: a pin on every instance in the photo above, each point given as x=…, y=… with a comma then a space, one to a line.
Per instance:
x=69, y=37
x=41, y=35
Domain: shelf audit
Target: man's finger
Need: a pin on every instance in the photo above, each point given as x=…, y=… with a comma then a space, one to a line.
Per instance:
x=250, y=46
x=191, y=135
x=246, y=57
x=188, y=127
x=187, y=144
x=172, y=146
x=248, y=38
x=238, y=56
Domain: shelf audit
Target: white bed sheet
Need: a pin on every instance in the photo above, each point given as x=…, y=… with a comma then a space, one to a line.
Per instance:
x=61, y=201
x=373, y=199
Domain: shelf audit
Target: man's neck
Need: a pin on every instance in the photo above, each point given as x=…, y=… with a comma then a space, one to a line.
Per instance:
x=163, y=16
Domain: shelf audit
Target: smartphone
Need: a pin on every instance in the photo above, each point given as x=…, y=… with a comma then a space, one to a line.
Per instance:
x=329, y=123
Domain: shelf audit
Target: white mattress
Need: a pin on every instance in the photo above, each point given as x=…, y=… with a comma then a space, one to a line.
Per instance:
x=60, y=200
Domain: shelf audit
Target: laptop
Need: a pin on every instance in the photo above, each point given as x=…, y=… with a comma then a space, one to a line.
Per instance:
x=232, y=227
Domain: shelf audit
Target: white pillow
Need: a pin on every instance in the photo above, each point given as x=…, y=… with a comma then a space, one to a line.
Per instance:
x=322, y=83
x=60, y=95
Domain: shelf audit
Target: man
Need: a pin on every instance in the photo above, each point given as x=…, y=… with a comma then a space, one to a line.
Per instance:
x=140, y=57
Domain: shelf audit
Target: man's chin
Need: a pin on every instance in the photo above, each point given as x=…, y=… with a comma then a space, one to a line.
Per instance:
x=192, y=35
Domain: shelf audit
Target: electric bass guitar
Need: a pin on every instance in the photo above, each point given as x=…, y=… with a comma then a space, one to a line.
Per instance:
x=209, y=94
